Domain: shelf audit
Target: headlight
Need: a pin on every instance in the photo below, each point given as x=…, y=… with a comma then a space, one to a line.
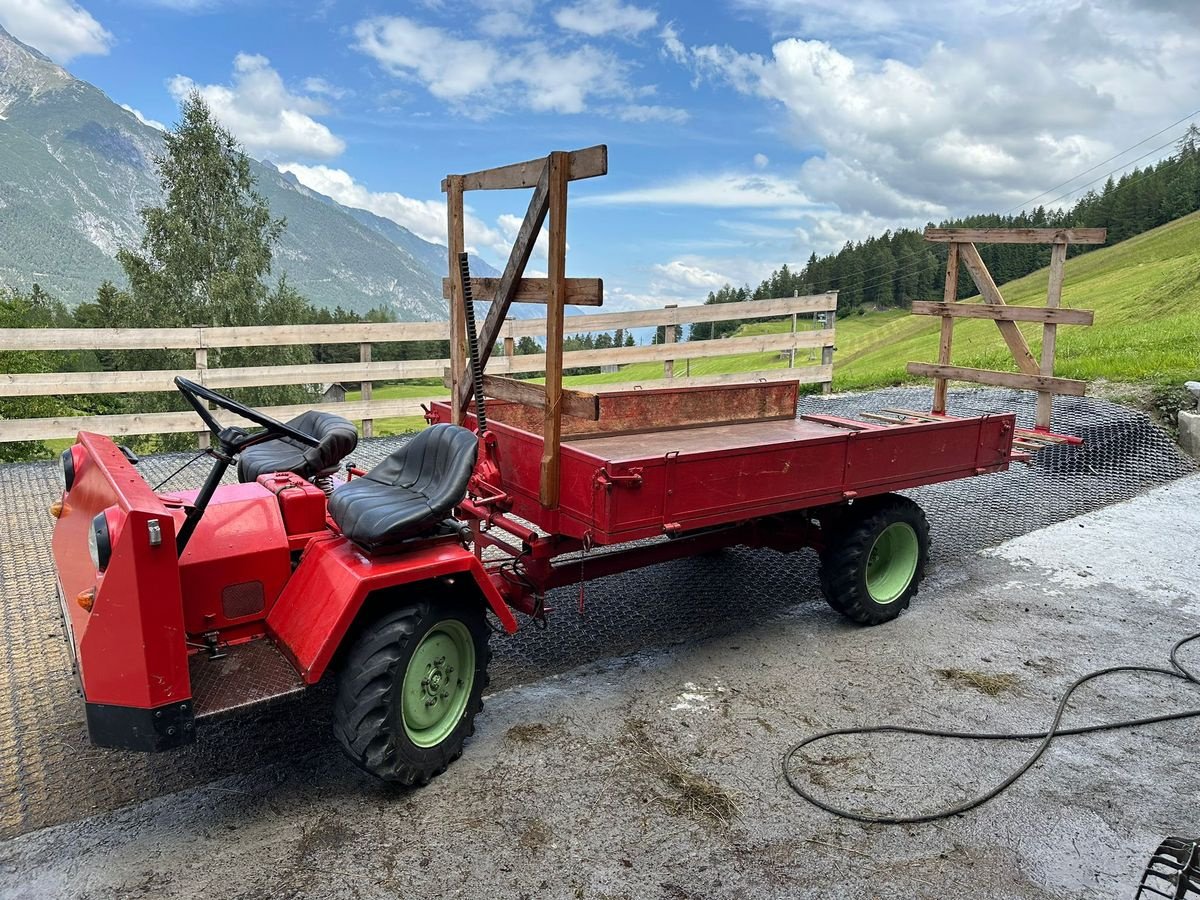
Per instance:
x=68, y=468
x=99, y=542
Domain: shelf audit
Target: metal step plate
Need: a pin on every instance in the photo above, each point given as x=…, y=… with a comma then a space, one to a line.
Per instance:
x=246, y=675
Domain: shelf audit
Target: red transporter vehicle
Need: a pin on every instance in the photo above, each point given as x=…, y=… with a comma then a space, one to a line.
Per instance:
x=182, y=605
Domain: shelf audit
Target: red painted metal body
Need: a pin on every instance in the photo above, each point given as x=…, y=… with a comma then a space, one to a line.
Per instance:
x=628, y=486
x=266, y=563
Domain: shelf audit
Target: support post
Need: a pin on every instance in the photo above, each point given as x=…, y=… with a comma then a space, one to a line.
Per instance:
x=510, y=347
x=556, y=183
x=364, y=356
x=669, y=338
x=458, y=333
x=827, y=352
x=203, y=438
x=1045, y=400
x=949, y=295
x=792, y=352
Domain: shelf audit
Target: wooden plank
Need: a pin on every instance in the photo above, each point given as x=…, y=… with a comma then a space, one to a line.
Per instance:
x=578, y=404
x=574, y=359
x=1008, y=313
x=1058, y=263
x=193, y=338
x=801, y=375
x=364, y=389
x=1017, y=235
x=879, y=417
x=456, y=245
x=1000, y=379
x=580, y=291
x=827, y=349
x=683, y=315
x=59, y=427
x=556, y=265
x=911, y=414
x=839, y=422
x=991, y=294
x=587, y=163
x=531, y=227
x=949, y=296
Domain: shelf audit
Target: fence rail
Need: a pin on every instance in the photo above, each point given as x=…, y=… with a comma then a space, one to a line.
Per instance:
x=200, y=340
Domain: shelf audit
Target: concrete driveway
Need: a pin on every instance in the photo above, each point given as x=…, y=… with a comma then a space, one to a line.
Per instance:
x=659, y=775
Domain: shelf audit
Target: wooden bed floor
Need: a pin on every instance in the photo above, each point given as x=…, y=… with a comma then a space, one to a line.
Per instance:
x=700, y=439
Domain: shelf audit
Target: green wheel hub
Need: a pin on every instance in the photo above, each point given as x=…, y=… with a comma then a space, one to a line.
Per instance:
x=892, y=562
x=438, y=683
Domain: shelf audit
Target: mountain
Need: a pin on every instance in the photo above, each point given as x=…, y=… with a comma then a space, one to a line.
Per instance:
x=76, y=168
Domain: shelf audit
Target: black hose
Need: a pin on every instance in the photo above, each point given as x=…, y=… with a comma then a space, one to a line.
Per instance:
x=1177, y=670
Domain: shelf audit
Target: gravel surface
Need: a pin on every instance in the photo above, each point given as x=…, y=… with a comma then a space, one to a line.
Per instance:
x=658, y=775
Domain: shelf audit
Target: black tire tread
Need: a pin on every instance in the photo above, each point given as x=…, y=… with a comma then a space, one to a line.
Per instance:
x=850, y=536
x=370, y=673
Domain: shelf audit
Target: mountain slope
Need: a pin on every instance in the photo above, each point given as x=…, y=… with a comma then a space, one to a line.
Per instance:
x=75, y=169
x=1146, y=295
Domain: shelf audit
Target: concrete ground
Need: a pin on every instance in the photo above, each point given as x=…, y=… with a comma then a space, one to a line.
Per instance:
x=659, y=775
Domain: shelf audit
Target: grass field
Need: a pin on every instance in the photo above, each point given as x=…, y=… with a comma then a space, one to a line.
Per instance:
x=1145, y=292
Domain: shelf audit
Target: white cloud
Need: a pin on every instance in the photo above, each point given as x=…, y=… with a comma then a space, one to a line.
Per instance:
x=153, y=123
x=262, y=113
x=761, y=161
x=477, y=78
x=61, y=29
x=637, y=112
x=424, y=218
x=597, y=17
x=691, y=276
x=324, y=88
x=736, y=190
x=955, y=121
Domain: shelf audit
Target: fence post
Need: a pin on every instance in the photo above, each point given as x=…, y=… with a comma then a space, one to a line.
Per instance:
x=203, y=438
x=792, y=352
x=510, y=347
x=364, y=356
x=669, y=338
x=827, y=351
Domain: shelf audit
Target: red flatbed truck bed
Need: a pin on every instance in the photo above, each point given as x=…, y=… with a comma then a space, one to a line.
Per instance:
x=712, y=456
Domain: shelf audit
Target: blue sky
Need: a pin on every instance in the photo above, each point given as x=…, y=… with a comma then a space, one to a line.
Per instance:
x=742, y=134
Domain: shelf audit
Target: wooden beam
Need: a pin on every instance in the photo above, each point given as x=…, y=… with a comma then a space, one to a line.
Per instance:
x=556, y=266
x=580, y=291
x=1001, y=379
x=578, y=404
x=949, y=296
x=1058, y=263
x=991, y=294
x=1017, y=235
x=456, y=241
x=587, y=163
x=531, y=227
x=684, y=315
x=59, y=427
x=801, y=375
x=1008, y=313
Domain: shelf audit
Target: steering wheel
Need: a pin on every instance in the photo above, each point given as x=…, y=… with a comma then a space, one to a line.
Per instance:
x=195, y=393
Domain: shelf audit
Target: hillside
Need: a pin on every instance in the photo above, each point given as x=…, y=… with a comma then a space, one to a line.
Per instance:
x=1146, y=295
x=75, y=169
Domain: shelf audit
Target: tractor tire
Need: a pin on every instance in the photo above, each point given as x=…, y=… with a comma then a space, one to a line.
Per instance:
x=410, y=689
x=874, y=558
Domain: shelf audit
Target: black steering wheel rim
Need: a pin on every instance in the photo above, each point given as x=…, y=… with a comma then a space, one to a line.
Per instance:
x=194, y=393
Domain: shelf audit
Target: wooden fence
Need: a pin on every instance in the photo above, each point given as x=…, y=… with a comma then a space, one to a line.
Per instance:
x=200, y=340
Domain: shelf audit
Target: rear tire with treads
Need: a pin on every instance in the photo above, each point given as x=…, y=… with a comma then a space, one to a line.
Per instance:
x=874, y=558
x=410, y=689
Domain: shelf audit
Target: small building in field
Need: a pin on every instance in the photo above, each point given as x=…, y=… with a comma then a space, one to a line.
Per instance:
x=333, y=393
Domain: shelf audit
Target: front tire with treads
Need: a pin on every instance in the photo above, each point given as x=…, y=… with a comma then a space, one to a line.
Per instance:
x=410, y=689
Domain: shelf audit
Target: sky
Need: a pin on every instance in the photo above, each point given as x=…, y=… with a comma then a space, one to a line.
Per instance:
x=742, y=134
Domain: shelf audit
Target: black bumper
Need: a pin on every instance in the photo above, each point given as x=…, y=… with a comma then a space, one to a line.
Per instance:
x=133, y=728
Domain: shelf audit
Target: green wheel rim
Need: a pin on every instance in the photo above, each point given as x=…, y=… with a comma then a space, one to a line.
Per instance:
x=438, y=683
x=892, y=562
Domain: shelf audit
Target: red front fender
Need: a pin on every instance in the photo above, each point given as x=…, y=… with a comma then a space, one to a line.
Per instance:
x=334, y=578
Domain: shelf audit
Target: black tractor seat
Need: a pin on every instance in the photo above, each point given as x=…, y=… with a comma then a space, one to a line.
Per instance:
x=337, y=436
x=409, y=493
